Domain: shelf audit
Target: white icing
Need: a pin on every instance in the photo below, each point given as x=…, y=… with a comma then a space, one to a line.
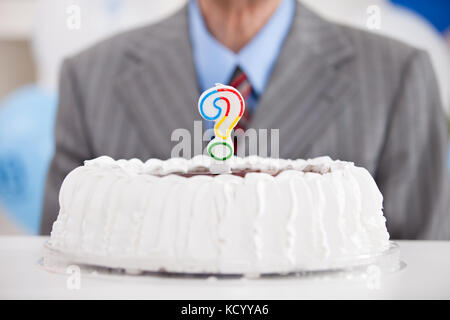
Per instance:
x=294, y=214
x=202, y=163
x=290, y=227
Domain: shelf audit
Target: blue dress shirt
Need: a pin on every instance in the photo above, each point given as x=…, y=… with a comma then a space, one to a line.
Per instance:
x=215, y=63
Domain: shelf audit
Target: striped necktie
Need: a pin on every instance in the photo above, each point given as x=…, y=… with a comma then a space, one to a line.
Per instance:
x=240, y=81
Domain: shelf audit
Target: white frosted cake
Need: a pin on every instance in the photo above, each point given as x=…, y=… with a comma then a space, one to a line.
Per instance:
x=266, y=216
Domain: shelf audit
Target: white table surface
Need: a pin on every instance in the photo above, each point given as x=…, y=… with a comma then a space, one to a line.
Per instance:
x=426, y=276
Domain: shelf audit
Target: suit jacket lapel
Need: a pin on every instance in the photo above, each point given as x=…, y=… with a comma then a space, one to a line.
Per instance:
x=306, y=90
x=158, y=87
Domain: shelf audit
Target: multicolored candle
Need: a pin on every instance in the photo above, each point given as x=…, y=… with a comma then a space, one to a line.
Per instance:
x=225, y=106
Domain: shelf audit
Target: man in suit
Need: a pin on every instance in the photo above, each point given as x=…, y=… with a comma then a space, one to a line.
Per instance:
x=329, y=89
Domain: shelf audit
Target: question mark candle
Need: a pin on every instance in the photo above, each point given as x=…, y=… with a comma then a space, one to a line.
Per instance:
x=225, y=106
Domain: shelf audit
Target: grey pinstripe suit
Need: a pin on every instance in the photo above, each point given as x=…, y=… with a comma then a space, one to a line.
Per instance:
x=334, y=91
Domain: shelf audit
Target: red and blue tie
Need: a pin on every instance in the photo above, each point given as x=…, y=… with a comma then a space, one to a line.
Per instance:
x=240, y=82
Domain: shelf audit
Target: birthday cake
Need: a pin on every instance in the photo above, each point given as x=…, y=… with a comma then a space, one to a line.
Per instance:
x=264, y=216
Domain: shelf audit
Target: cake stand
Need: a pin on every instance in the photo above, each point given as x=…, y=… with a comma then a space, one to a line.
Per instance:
x=377, y=263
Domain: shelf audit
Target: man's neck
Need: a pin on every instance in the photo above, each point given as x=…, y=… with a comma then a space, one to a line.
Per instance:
x=235, y=22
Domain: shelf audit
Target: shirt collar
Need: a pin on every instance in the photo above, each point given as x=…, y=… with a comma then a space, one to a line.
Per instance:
x=215, y=63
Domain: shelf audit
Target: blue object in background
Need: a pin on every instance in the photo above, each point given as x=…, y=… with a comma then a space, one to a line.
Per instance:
x=449, y=158
x=113, y=6
x=437, y=12
x=26, y=147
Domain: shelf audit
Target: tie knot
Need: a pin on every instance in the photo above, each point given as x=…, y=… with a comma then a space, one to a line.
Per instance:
x=240, y=82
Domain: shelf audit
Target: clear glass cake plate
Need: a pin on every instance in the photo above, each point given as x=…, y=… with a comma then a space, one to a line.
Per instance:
x=386, y=261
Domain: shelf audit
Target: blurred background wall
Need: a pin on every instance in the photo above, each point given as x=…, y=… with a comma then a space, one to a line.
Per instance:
x=35, y=35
